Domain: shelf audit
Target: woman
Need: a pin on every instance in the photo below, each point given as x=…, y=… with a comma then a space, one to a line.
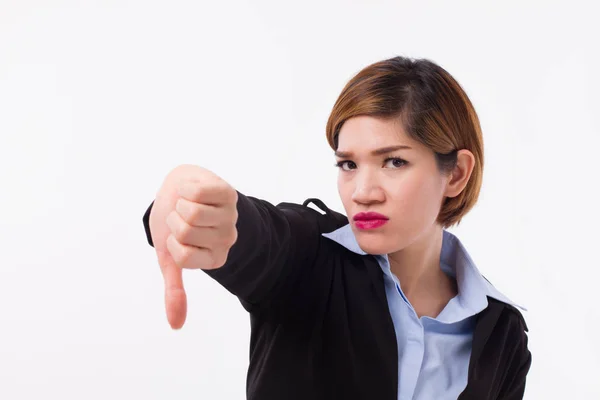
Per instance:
x=385, y=304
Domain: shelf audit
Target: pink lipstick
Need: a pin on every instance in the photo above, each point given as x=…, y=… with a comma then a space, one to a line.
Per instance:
x=369, y=220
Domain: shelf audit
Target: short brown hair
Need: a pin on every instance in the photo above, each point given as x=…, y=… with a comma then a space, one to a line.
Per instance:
x=434, y=110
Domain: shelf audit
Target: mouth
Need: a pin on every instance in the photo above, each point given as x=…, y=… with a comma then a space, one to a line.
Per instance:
x=369, y=220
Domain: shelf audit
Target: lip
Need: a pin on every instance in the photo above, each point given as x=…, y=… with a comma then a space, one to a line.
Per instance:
x=368, y=216
x=369, y=220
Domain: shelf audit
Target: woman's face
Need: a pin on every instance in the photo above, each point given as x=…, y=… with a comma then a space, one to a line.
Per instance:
x=383, y=171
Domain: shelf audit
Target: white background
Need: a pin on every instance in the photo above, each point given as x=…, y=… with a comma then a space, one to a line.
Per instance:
x=99, y=100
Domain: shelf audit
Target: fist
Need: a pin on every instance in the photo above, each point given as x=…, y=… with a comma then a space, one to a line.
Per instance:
x=193, y=225
x=202, y=225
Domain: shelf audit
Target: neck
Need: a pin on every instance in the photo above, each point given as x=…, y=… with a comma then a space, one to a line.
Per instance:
x=423, y=282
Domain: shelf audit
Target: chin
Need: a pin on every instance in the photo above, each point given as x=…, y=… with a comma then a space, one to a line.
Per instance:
x=375, y=244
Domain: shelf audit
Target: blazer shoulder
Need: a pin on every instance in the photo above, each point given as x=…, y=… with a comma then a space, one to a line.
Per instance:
x=327, y=220
x=519, y=315
x=512, y=313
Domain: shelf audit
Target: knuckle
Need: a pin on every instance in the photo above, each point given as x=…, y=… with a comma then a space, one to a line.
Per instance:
x=199, y=191
x=232, y=195
x=208, y=260
x=223, y=187
x=217, y=184
x=182, y=231
x=232, y=238
x=227, y=238
x=191, y=257
x=234, y=217
x=184, y=256
x=196, y=215
x=219, y=258
x=182, y=209
x=179, y=252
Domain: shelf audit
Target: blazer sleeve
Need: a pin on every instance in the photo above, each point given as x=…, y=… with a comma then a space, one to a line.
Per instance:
x=274, y=243
x=514, y=387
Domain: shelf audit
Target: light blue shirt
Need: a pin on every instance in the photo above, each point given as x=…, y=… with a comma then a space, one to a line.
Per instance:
x=433, y=353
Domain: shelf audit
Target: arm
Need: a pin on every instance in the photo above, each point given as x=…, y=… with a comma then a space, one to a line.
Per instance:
x=273, y=244
x=514, y=386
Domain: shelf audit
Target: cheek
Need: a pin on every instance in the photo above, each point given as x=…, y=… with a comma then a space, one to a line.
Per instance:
x=418, y=200
x=344, y=190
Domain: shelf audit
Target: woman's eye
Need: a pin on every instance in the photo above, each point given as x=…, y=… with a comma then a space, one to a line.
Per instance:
x=346, y=165
x=394, y=163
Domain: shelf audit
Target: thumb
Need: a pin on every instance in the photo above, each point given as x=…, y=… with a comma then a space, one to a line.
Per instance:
x=175, y=297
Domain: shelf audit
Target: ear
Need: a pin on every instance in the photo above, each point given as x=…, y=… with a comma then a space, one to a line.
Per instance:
x=459, y=177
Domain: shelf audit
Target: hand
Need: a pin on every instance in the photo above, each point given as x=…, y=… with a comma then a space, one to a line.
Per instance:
x=193, y=225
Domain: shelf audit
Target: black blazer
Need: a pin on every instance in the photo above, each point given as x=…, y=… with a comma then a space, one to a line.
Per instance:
x=320, y=323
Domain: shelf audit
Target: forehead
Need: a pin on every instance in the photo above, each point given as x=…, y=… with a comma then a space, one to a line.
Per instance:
x=367, y=133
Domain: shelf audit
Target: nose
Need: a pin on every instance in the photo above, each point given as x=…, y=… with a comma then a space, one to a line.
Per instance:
x=367, y=190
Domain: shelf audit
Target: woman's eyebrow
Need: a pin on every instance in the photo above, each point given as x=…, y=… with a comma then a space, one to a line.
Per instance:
x=376, y=152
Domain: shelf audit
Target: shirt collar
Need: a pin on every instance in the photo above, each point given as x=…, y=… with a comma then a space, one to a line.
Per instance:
x=473, y=287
